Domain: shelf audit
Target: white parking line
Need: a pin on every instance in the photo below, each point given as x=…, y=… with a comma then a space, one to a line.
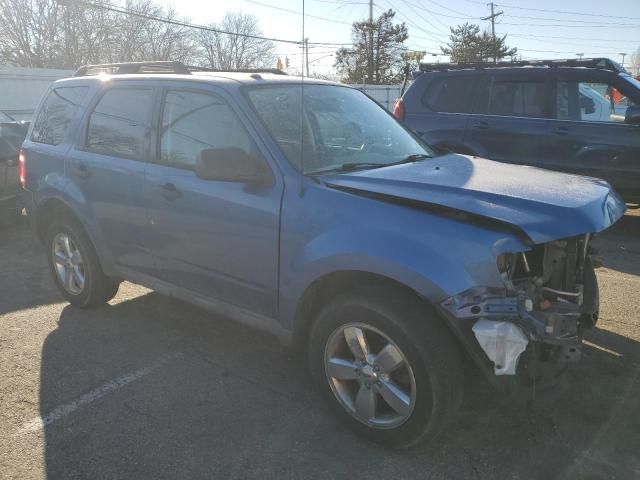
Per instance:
x=62, y=411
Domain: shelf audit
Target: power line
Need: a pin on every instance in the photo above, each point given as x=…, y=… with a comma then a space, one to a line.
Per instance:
x=297, y=12
x=566, y=12
x=590, y=22
x=567, y=26
x=169, y=21
x=567, y=38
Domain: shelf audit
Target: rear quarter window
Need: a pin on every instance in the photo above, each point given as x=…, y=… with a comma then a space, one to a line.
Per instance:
x=56, y=112
x=120, y=123
x=452, y=94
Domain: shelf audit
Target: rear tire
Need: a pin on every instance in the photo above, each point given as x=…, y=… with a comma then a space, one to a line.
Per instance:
x=75, y=266
x=426, y=373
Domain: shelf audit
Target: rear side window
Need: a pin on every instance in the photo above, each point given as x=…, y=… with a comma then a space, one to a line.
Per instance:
x=192, y=122
x=56, y=113
x=119, y=125
x=450, y=94
x=514, y=98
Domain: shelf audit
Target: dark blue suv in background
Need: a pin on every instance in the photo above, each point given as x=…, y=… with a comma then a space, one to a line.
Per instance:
x=306, y=209
x=577, y=116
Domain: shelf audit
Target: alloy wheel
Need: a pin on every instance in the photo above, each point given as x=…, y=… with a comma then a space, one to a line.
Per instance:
x=370, y=376
x=69, y=264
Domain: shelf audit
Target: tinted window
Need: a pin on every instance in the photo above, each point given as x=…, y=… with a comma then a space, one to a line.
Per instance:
x=450, y=94
x=192, y=122
x=591, y=102
x=56, y=113
x=119, y=124
x=513, y=98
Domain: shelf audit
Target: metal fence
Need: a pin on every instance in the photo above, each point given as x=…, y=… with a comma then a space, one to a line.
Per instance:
x=22, y=88
x=385, y=95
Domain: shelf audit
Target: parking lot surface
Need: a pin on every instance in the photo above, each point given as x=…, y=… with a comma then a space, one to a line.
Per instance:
x=148, y=387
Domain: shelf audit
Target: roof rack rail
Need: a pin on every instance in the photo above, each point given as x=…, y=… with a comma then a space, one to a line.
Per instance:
x=158, y=67
x=598, y=63
x=132, y=67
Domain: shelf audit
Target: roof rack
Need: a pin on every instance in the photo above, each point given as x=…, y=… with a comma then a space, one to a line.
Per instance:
x=598, y=63
x=158, y=67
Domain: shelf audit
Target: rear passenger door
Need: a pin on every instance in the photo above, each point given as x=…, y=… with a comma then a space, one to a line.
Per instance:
x=438, y=113
x=219, y=239
x=106, y=169
x=510, y=119
x=588, y=133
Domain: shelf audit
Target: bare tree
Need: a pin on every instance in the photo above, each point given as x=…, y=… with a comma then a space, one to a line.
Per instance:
x=65, y=34
x=236, y=51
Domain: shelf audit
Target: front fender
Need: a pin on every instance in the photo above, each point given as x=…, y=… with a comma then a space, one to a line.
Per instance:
x=433, y=255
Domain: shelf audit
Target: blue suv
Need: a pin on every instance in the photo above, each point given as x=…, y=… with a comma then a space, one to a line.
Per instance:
x=303, y=208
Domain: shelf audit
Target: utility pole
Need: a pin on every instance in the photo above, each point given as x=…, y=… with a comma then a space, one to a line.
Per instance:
x=492, y=17
x=370, y=62
x=306, y=50
x=623, y=55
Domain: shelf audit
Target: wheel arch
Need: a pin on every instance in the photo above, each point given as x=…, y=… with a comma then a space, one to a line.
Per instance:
x=333, y=284
x=51, y=209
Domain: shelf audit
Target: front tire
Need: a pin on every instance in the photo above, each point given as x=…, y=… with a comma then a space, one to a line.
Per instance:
x=75, y=266
x=387, y=366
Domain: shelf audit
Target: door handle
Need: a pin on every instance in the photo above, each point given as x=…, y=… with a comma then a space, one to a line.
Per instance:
x=168, y=191
x=80, y=170
x=481, y=125
x=562, y=131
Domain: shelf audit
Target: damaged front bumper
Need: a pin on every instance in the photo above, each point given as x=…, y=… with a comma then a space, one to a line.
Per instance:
x=531, y=329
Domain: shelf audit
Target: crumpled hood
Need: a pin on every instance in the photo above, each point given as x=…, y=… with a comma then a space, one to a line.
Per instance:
x=545, y=205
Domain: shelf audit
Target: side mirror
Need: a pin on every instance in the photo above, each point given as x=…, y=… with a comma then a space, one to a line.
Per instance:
x=632, y=115
x=231, y=165
x=587, y=104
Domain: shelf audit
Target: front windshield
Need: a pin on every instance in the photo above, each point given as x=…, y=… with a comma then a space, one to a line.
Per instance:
x=333, y=129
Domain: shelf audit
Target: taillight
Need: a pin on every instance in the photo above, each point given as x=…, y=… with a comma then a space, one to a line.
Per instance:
x=22, y=159
x=398, y=110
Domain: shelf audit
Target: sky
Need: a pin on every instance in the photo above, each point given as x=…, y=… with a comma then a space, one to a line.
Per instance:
x=538, y=28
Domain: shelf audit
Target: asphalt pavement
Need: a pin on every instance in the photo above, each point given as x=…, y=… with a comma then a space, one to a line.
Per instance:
x=151, y=388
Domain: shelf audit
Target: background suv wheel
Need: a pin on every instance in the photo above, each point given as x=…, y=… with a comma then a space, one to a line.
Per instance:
x=75, y=265
x=387, y=366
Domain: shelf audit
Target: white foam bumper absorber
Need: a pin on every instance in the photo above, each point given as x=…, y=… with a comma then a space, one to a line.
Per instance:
x=503, y=342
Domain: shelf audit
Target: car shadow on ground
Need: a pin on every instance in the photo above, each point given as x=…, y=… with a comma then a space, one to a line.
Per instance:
x=153, y=388
x=24, y=269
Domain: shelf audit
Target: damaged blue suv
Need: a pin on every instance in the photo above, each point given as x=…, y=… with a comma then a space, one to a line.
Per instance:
x=305, y=209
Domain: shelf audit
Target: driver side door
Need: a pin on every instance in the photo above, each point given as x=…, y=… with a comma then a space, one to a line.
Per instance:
x=219, y=239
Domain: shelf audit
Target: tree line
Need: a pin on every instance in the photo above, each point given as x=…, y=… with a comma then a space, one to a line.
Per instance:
x=379, y=55
x=69, y=33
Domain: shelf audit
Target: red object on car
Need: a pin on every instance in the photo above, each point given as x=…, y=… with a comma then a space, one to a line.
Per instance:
x=398, y=110
x=22, y=159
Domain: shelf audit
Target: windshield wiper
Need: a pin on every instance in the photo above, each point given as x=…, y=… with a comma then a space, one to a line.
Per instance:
x=410, y=159
x=352, y=167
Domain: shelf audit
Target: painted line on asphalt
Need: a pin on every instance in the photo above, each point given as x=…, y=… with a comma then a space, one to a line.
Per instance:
x=62, y=411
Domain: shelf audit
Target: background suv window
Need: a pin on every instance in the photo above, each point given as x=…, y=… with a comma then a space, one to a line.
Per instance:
x=119, y=124
x=517, y=99
x=56, y=113
x=590, y=101
x=192, y=122
x=450, y=94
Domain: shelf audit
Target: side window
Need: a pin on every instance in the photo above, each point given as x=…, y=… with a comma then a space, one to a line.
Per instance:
x=192, y=122
x=590, y=101
x=516, y=99
x=56, y=113
x=119, y=124
x=450, y=94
